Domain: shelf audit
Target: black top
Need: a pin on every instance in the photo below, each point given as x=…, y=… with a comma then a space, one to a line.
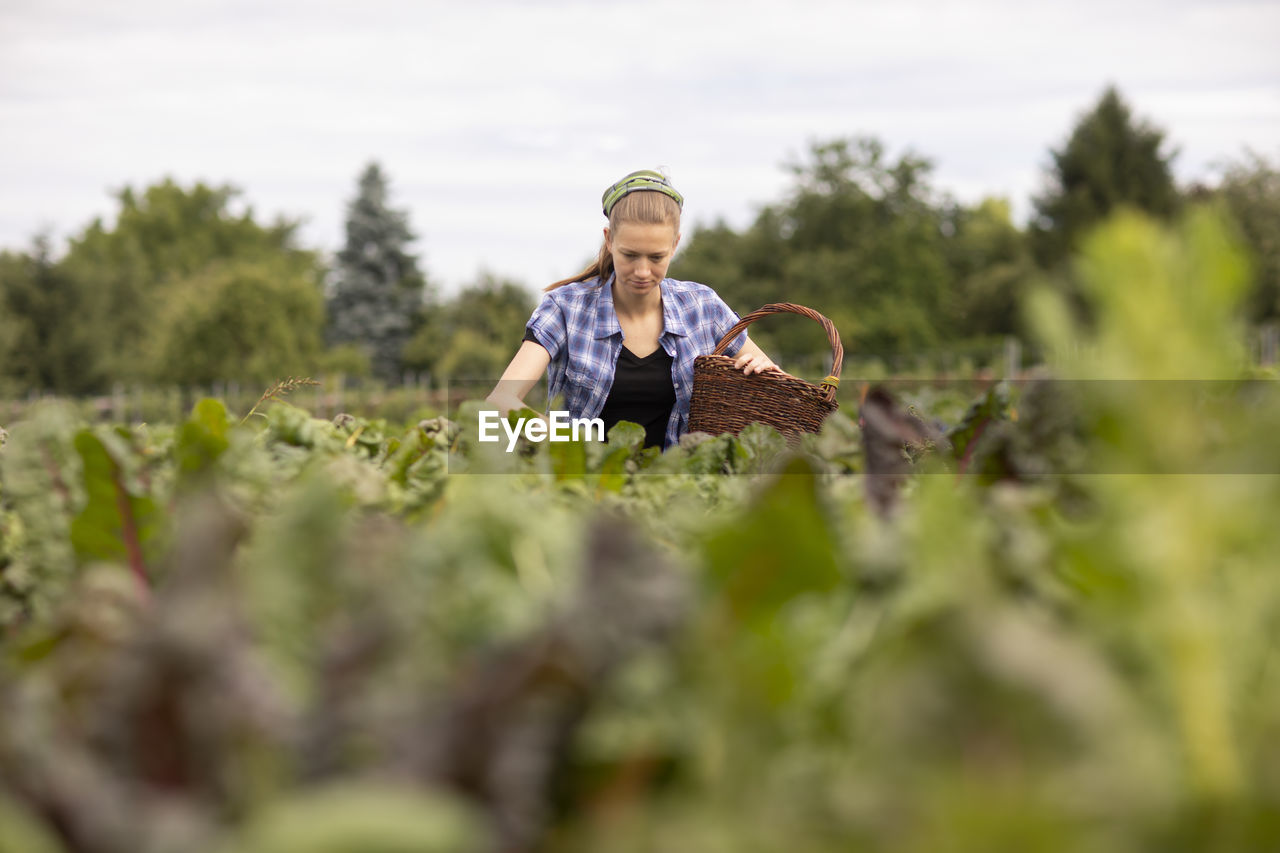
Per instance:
x=642, y=393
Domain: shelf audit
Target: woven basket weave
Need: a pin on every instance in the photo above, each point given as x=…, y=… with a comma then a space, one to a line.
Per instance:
x=726, y=400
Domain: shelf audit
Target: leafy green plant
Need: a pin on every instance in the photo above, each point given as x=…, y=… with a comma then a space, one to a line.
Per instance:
x=1048, y=627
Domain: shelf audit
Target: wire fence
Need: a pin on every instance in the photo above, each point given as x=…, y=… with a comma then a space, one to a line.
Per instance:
x=420, y=395
x=415, y=397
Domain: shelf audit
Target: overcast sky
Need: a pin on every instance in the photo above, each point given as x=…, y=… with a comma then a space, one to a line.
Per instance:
x=500, y=124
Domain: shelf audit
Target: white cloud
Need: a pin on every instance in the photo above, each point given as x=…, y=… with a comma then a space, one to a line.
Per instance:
x=500, y=123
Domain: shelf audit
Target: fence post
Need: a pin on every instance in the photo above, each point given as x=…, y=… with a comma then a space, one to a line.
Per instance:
x=1269, y=345
x=1012, y=357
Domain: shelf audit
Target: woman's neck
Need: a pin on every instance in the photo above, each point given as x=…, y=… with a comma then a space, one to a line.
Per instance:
x=631, y=305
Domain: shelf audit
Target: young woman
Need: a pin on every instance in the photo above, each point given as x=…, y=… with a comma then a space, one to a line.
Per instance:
x=618, y=339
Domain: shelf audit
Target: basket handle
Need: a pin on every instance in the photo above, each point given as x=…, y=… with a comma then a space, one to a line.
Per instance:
x=837, y=349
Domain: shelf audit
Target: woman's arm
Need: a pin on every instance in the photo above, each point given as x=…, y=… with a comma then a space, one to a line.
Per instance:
x=524, y=371
x=751, y=359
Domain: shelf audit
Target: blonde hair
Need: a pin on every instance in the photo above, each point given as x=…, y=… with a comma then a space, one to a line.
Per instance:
x=645, y=208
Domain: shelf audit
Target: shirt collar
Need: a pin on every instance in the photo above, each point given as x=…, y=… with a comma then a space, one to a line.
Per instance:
x=672, y=320
x=607, y=318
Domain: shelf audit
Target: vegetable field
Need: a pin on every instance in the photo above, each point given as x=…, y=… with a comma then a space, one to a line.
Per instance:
x=1033, y=616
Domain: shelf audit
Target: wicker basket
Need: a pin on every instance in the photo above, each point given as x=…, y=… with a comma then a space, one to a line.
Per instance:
x=726, y=400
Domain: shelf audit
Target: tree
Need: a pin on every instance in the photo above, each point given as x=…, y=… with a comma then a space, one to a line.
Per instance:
x=379, y=295
x=10, y=333
x=474, y=334
x=992, y=263
x=859, y=238
x=1111, y=160
x=1250, y=190
x=253, y=320
x=162, y=237
x=49, y=336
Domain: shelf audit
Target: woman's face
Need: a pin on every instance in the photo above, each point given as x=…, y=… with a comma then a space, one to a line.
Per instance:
x=641, y=254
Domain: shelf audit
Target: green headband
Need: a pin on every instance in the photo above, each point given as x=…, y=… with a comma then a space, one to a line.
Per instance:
x=645, y=179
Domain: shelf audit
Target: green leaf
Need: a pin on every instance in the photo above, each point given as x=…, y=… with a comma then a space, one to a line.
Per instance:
x=762, y=445
x=363, y=819
x=613, y=470
x=568, y=459
x=626, y=434
x=20, y=832
x=699, y=453
x=781, y=548
x=118, y=523
x=202, y=439
x=992, y=406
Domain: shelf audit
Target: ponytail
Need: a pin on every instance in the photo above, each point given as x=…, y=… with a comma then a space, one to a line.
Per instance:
x=601, y=267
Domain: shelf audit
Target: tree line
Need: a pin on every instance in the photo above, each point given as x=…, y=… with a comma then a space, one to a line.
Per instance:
x=186, y=286
x=907, y=272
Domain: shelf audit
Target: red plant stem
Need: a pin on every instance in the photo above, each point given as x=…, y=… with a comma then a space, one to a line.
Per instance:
x=129, y=532
x=973, y=442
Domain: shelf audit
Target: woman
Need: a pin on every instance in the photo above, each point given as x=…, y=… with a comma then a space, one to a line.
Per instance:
x=618, y=340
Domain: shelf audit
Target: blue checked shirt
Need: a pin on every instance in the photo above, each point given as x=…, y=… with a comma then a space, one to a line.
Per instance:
x=577, y=325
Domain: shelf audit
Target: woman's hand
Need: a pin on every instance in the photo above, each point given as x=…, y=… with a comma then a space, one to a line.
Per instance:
x=751, y=359
x=521, y=375
x=749, y=364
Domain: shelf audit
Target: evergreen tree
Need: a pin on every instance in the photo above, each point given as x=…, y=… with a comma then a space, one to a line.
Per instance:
x=1110, y=160
x=378, y=297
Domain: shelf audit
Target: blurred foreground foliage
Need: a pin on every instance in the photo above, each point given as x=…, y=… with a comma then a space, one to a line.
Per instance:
x=922, y=629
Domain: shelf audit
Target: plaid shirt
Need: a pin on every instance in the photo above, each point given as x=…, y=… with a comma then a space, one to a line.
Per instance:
x=577, y=325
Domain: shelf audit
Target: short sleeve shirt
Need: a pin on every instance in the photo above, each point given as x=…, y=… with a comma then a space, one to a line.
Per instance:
x=578, y=327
